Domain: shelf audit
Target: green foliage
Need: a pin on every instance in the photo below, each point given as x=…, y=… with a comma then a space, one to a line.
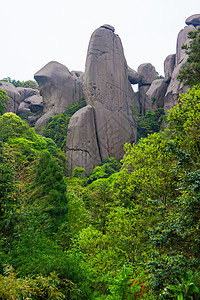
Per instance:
x=149, y=123
x=37, y=288
x=128, y=230
x=186, y=286
x=104, y=170
x=56, y=127
x=189, y=74
x=26, y=84
x=3, y=98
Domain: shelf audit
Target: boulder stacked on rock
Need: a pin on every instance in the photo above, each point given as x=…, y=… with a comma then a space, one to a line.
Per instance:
x=58, y=88
x=25, y=102
x=100, y=129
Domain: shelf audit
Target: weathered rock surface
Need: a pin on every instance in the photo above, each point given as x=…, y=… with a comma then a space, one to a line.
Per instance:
x=156, y=94
x=26, y=92
x=133, y=76
x=169, y=65
x=176, y=88
x=82, y=148
x=108, y=90
x=58, y=88
x=193, y=20
x=144, y=102
x=147, y=72
x=182, y=39
x=14, y=97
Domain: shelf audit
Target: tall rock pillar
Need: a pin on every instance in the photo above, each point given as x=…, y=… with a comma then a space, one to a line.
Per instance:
x=108, y=90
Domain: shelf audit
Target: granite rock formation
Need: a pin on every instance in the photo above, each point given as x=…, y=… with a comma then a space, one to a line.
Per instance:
x=25, y=102
x=175, y=87
x=82, y=147
x=100, y=129
x=108, y=90
x=58, y=88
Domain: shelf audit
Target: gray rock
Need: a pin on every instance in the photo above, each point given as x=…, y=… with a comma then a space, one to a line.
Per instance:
x=144, y=102
x=147, y=72
x=182, y=39
x=35, y=103
x=193, y=20
x=169, y=65
x=58, y=88
x=156, y=94
x=14, y=97
x=133, y=76
x=26, y=92
x=81, y=147
x=108, y=90
x=174, y=89
x=23, y=108
x=106, y=26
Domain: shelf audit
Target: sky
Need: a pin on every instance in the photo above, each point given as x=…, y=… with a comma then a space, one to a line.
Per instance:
x=34, y=33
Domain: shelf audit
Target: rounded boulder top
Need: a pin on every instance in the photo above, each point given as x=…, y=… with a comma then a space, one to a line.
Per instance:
x=193, y=20
x=108, y=27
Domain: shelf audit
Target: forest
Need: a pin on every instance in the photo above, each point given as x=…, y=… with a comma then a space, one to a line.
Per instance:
x=129, y=230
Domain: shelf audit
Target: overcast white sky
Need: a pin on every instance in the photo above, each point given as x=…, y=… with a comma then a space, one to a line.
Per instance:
x=36, y=32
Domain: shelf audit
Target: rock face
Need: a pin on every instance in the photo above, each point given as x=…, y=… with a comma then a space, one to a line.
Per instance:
x=25, y=102
x=156, y=94
x=100, y=129
x=108, y=90
x=58, y=88
x=193, y=20
x=169, y=65
x=148, y=75
x=14, y=97
x=82, y=148
x=175, y=87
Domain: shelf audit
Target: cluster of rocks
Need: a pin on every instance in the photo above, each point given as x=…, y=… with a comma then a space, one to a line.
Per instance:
x=25, y=102
x=100, y=129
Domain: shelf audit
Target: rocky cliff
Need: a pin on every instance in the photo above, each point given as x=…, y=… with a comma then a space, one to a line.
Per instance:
x=100, y=129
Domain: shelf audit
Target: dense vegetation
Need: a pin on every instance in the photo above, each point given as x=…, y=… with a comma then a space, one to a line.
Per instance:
x=128, y=230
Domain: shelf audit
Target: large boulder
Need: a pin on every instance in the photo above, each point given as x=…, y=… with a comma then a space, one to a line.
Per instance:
x=108, y=90
x=182, y=39
x=82, y=148
x=156, y=94
x=147, y=72
x=14, y=97
x=169, y=65
x=193, y=20
x=58, y=88
x=26, y=92
x=133, y=76
x=176, y=88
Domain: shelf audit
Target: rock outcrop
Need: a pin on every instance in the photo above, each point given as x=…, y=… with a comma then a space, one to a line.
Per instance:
x=148, y=74
x=100, y=129
x=14, y=96
x=193, y=20
x=82, y=147
x=25, y=102
x=58, y=88
x=108, y=90
x=175, y=87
